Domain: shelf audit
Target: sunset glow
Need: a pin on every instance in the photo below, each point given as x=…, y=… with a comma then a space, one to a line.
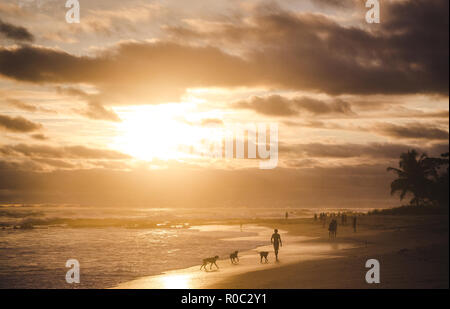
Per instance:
x=238, y=145
x=106, y=96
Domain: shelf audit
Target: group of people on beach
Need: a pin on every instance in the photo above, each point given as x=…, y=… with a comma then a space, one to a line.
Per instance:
x=332, y=226
x=275, y=239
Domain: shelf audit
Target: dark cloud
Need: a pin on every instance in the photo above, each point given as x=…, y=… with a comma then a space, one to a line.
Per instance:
x=313, y=52
x=316, y=124
x=39, y=136
x=18, y=124
x=94, y=109
x=15, y=33
x=348, y=150
x=408, y=113
x=27, y=107
x=276, y=105
x=65, y=152
x=60, y=164
x=39, y=64
x=97, y=111
x=142, y=71
x=22, y=105
x=338, y=3
x=412, y=131
x=407, y=53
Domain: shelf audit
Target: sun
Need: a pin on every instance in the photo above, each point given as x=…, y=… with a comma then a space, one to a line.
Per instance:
x=157, y=132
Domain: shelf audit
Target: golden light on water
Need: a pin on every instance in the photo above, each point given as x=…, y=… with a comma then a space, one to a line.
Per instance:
x=176, y=282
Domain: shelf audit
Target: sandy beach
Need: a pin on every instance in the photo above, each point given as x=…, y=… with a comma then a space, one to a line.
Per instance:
x=412, y=251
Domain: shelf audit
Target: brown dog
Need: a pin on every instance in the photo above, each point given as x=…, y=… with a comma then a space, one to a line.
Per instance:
x=211, y=260
x=234, y=257
x=264, y=254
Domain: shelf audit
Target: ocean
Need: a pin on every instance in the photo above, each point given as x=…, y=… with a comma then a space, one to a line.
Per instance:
x=115, y=245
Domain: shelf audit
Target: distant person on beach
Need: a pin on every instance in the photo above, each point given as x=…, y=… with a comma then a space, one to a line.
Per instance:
x=286, y=215
x=354, y=224
x=315, y=217
x=276, y=241
x=332, y=228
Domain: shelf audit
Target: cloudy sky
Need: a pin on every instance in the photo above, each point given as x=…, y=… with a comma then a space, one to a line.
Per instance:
x=114, y=110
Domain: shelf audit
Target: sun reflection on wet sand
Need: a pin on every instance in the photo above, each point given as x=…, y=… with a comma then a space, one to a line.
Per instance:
x=176, y=282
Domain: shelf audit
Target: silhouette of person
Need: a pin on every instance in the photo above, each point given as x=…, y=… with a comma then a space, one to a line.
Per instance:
x=276, y=241
x=354, y=224
x=286, y=215
x=332, y=228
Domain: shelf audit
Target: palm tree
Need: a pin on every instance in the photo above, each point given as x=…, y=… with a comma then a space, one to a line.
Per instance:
x=415, y=174
x=440, y=192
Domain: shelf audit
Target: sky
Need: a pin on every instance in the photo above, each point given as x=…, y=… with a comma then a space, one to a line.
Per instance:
x=122, y=108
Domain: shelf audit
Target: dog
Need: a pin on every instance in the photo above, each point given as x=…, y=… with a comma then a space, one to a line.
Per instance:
x=211, y=261
x=264, y=254
x=234, y=257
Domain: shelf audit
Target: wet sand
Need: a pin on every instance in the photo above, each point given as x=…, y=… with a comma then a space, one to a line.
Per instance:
x=413, y=253
x=296, y=249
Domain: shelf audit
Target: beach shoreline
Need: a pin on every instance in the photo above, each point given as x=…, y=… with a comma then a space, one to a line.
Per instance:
x=412, y=250
x=298, y=248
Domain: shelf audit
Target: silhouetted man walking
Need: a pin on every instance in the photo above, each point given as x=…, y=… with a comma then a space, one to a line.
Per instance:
x=276, y=241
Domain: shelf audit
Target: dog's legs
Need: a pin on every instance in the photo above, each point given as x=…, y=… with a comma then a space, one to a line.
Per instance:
x=216, y=265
